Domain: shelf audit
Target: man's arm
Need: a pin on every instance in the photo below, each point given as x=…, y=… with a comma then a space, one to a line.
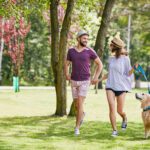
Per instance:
x=67, y=65
x=99, y=67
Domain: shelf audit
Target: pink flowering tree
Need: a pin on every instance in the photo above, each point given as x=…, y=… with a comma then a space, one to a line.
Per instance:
x=14, y=39
x=12, y=36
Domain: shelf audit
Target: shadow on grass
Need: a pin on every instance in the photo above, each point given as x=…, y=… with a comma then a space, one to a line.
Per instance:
x=52, y=129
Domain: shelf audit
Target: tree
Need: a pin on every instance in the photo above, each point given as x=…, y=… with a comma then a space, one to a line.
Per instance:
x=58, y=51
x=2, y=21
x=36, y=66
x=101, y=35
x=36, y=69
x=14, y=41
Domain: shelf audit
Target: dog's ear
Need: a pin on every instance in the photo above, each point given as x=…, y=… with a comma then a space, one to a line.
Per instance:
x=148, y=100
x=144, y=103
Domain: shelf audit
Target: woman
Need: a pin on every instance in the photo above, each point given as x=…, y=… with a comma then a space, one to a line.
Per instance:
x=118, y=82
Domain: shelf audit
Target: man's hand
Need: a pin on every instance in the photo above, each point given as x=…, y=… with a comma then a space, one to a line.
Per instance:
x=98, y=70
x=68, y=77
x=94, y=81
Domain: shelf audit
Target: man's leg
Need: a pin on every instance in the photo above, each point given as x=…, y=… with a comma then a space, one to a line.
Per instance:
x=76, y=107
x=76, y=103
x=79, y=116
x=82, y=92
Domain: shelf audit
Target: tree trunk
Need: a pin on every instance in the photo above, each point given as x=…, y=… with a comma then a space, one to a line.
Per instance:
x=1, y=50
x=72, y=110
x=99, y=44
x=59, y=52
x=102, y=32
x=54, y=41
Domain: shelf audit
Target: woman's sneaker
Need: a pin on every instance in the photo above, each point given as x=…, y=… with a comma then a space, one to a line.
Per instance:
x=114, y=133
x=76, y=131
x=124, y=125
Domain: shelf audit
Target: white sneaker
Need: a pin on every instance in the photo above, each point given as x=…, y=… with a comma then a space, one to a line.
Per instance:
x=76, y=131
x=114, y=133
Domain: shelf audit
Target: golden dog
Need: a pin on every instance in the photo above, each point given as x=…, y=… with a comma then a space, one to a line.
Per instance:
x=145, y=105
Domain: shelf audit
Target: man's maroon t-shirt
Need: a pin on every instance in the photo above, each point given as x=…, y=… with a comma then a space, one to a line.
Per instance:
x=81, y=63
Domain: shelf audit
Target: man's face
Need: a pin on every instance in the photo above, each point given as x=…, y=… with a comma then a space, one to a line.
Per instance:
x=83, y=40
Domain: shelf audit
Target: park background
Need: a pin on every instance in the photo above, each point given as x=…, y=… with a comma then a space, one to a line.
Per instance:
x=34, y=38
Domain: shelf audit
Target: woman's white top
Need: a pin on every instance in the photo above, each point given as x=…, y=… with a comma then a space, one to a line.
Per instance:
x=118, y=74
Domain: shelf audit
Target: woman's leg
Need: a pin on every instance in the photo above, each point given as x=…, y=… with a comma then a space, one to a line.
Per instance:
x=120, y=105
x=111, y=102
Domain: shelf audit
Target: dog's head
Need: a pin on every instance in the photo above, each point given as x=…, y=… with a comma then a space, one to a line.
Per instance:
x=144, y=98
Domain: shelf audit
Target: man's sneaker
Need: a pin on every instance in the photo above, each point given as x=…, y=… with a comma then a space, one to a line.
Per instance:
x=82, y=118
x=114, y=133
x=76, y=131
x=124, y=125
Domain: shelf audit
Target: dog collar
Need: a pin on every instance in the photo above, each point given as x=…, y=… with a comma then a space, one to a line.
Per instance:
x=146, y=108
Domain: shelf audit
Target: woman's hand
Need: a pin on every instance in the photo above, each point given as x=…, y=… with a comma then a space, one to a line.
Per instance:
x=136, y=66
x=133, y=68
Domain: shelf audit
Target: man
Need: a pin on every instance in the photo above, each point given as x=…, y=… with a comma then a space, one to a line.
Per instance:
x=80, y=57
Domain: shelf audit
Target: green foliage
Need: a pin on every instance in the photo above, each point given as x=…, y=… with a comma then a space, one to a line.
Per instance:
x=87, y=15
x=7, y=70
x=37, y=68
x=23, y=8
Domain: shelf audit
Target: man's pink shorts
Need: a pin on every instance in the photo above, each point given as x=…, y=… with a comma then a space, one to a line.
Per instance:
x=79, y=88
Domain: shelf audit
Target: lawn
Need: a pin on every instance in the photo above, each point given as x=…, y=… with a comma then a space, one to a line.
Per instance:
x=26, y=123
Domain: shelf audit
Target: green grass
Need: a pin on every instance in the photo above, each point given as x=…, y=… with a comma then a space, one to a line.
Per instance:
x=26, y=123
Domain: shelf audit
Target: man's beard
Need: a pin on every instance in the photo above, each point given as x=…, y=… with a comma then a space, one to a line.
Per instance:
x=83, y=44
